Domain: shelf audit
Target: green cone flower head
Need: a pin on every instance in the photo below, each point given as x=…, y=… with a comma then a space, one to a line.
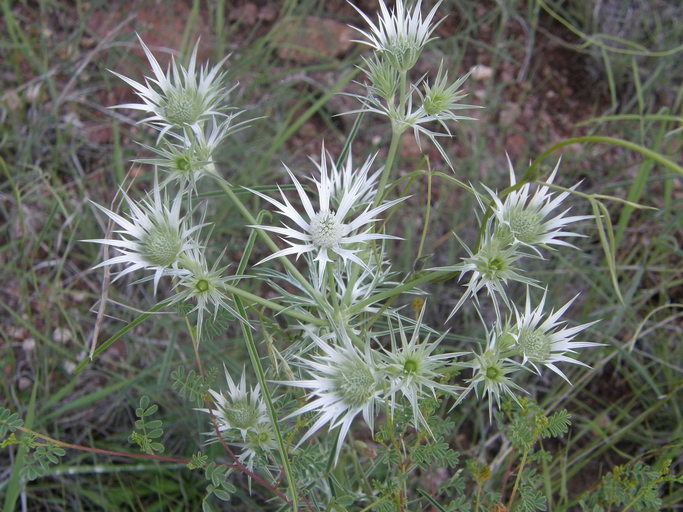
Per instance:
x=203, y=285
x=414, y=370
x=541, y=341
x=525, y=218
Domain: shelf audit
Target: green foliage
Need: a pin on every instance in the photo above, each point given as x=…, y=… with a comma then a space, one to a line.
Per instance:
x=189, y=385
x=9, y=422
x=147, y=431
x=41, y=456
x=528, y=423
x=199, y=460
x=218, y=475
x=435, y=453
x=633, y=487
x=530, y=500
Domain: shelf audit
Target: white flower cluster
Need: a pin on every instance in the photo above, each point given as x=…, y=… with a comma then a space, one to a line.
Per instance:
x=352, y=352
x=186, y=106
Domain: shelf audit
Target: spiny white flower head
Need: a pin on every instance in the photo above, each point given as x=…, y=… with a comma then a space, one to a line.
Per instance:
x=400, y=34
x=259, y=441
x=241, y=410
x=189, y=156
x=542, y=341
x=206, y=286
x=155, y=236
x=346, y=177
x=409, y=117
x=491, y=268
x=181, y=96
x=383, y=76
x=525, y=217
x=325, y=229
x=441, y=99
x=344, y=382
x=414, y=370
x=490, y=371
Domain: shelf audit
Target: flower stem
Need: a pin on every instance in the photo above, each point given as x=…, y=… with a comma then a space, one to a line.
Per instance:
x=261, y=376
x=227, y=189
x=309, y=319
x=517, y=480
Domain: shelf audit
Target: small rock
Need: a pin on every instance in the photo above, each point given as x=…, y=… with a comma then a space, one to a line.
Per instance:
x=481, y=72
x=245, y=14
x=267, y=14
x=306, y=40
x=28, y=345
x=61, y=335
x=509, y=113
x=24, y=383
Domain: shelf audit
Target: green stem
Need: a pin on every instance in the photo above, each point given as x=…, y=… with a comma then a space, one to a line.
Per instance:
x=427, y=278
x=427, y=212
x=517, y=480
x=384, y=178
x=227, y=189
x=309, y=319
x=261, y=376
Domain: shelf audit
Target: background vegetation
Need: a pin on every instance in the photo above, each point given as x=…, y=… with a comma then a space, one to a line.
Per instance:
x=547, y=72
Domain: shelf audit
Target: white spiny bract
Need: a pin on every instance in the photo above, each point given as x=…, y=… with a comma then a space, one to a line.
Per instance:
x=189, y=156
x=154, y=238
x=525, y=218
x=490, y=370
x=400, y=34
x=414, y=370
x=346, y=177
x=542, y=342
x=244, y=412
x=195, y=281
x=183, y=96
x=491, y=267
x=345, y=381
x=325, y=229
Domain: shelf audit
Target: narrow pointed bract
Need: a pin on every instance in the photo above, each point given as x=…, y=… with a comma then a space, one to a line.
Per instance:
x=153, y=237
x=183, y=96
x=344, y=382
x=326, y=230
x=525, y=218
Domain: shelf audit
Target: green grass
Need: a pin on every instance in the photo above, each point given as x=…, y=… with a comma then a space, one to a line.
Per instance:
x=626, y=408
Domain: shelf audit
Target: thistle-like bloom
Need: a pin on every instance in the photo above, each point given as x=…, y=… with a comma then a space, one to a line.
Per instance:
x=190, y=156
x=344, y=382
x=490, y=374
x=240, y=410
x=541, y=341
x=206, y=286
x=400, y=35
x=524, y=218
x=325, y=229
x=491, y=268
x=441, y=99
x=154, y=238
x=181, y=96
x=245, y=412
x=414, y=370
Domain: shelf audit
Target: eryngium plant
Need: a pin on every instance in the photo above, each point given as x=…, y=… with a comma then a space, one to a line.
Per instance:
x=347, y=356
